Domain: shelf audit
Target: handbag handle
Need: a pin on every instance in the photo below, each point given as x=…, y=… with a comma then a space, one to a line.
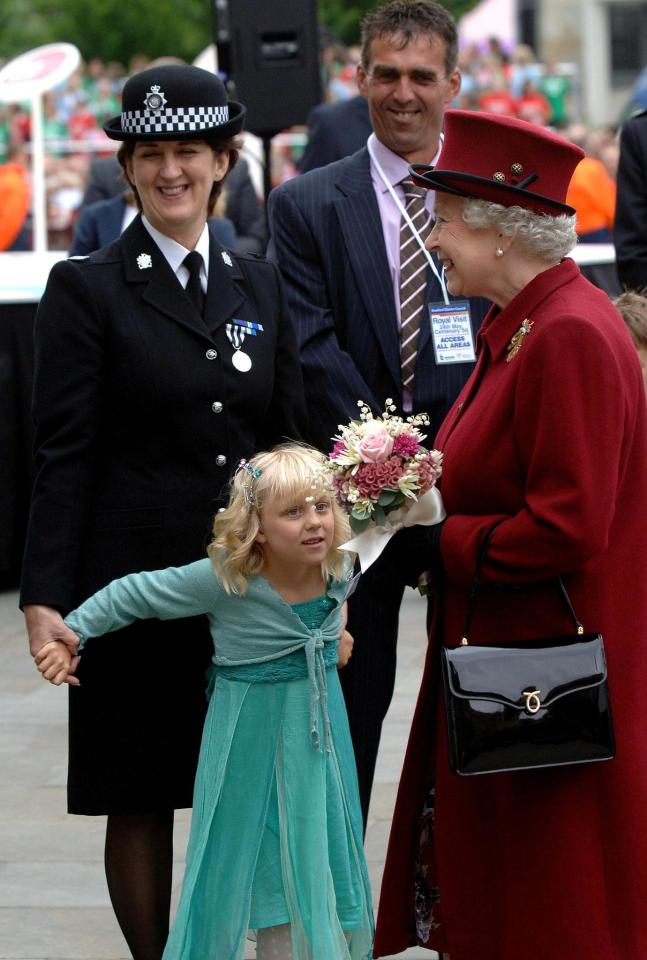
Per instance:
x=476, y=583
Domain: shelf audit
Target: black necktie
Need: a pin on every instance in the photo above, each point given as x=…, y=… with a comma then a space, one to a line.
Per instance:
x=195, y=293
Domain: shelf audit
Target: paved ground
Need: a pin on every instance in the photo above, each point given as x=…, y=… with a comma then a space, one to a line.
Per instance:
x=53, y=899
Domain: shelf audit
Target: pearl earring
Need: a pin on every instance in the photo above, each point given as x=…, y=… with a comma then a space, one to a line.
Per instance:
x=498, y=252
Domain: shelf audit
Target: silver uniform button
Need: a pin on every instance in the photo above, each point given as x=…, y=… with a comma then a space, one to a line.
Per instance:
x=221, y=460
x=211, y=354
x=216, y=407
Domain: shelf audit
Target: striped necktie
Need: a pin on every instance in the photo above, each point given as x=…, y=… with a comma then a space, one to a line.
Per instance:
x=194, y=291
x=413, y=278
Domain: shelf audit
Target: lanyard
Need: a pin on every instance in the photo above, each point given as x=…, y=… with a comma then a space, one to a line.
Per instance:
x=421, y=243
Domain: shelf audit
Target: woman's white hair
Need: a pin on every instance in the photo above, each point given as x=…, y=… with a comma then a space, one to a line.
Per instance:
x=548, y=237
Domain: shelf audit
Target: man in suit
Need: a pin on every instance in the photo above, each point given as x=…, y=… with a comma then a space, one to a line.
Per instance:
x=336, y=234
x=335, y=130
x=630, y=232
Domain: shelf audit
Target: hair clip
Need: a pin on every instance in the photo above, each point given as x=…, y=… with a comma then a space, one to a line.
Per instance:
x=248, y=485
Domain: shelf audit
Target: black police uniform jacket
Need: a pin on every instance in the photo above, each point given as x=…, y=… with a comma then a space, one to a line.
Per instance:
x=141, y=418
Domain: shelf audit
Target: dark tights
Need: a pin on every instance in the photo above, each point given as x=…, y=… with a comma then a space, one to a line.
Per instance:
x=139, y=867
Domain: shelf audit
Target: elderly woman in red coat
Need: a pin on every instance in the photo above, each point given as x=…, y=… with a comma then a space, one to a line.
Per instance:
x=549, y=436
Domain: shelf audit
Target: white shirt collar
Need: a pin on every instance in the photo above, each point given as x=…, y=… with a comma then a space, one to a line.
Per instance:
x=174, y=253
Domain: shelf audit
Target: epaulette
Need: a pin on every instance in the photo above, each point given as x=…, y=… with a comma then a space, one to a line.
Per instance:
x=248, y=255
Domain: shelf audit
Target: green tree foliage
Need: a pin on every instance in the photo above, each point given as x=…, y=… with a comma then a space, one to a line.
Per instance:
x=108, y=29
x=119, y=29
x=344, y=18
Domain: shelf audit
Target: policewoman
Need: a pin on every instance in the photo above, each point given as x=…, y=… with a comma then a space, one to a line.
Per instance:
x=161, y=361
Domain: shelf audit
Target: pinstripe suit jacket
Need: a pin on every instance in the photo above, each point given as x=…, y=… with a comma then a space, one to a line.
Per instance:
x=326, y=236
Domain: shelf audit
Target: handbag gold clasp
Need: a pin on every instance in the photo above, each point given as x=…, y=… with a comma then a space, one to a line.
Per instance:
x=533, y=703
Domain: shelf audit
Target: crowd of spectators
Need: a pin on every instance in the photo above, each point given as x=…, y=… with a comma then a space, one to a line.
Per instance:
x=73, y=115
x=496, y=79
x=510, y=82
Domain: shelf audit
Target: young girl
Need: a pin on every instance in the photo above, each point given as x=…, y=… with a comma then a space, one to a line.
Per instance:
x=275, y=851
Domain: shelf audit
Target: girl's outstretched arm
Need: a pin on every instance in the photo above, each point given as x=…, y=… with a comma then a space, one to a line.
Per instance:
x=167, y=594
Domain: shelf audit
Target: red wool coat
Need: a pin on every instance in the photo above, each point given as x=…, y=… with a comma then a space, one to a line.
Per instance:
x=552, y=864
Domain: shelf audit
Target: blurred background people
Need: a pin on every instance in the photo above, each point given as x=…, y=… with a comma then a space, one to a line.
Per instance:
x=15, y=198
x=335, y=130
x=532, y=105
x=592, y=192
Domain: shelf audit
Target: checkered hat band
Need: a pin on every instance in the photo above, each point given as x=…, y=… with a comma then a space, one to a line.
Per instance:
x=174, y=120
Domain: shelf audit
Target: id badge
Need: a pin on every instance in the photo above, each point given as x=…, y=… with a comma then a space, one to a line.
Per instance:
x=451, y=331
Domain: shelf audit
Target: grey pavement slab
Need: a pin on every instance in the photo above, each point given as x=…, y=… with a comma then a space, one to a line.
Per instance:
x=53, y=899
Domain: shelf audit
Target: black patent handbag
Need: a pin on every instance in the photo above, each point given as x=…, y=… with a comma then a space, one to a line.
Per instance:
x=534, y=703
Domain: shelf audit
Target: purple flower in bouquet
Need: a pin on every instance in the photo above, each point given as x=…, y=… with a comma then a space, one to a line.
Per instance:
x=405, y=445
x=339, y=448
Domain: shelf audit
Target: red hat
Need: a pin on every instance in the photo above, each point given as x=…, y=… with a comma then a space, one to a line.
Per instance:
x=496, y=158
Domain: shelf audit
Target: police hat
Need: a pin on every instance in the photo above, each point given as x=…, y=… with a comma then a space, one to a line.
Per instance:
x=176, y=102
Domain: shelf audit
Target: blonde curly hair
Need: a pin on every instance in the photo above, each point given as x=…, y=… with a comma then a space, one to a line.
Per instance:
x=288, y=472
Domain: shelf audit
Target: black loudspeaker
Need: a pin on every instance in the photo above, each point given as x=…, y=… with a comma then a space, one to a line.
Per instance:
x=270, y=50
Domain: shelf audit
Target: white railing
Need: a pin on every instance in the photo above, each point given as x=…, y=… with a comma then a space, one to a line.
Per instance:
x=23, y=275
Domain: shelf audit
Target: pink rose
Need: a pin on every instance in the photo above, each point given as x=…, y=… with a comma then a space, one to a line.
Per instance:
x=374, y=446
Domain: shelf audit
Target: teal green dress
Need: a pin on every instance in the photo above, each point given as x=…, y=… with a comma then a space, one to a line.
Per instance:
x=276, y=834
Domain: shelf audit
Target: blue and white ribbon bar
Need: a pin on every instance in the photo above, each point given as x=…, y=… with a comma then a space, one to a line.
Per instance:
x=249, y=326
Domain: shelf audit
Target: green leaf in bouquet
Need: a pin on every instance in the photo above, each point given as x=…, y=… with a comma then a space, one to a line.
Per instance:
x=359, y=524
x=389, y=498
x=361, y=513
x=379, y=515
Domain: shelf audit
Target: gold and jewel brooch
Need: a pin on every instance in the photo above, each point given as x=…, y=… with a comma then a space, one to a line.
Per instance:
x=517, y=341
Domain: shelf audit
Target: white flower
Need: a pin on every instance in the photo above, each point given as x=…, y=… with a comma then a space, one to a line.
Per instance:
x=144, y=261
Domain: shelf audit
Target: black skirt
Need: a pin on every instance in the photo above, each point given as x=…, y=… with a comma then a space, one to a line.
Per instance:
x=136, y=720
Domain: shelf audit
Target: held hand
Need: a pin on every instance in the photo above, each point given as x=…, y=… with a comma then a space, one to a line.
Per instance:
x=57, y=663
x=345, y=651
x=45, y=624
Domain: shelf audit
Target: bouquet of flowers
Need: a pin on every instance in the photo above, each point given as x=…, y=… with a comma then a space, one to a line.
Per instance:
x=384, y=478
